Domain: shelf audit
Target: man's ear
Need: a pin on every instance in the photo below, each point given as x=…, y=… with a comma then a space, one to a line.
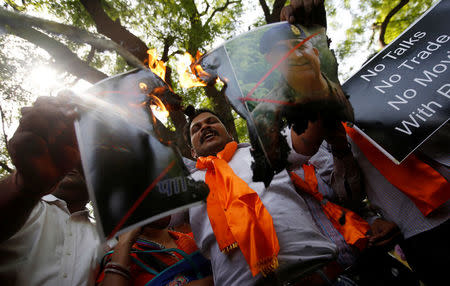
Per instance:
x=193, y=153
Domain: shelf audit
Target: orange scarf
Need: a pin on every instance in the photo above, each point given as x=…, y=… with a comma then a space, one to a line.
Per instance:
x=352, y=227
x=416, y=179
x=237, y=215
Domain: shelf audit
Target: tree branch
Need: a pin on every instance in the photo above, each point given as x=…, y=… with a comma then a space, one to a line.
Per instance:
x=219, y=9
x=75, y=34
x=14, y=6
x=177, y=52
x=206, y=10
x=387, y=19
x=90, y=55
x=5, y=136
x=114, y=30
x=274, y=16
x=222, y=107
x=168, y=42
x=276, y=10
x=6, y=167
x=63, y=56
x=196, y=13
x=266, y=9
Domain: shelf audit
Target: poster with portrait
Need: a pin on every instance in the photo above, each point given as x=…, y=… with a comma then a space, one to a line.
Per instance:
x=278, y=75
x=401, y=96
x=133, y=178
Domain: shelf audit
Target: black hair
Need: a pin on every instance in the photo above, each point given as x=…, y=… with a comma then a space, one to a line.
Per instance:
x=192, y=113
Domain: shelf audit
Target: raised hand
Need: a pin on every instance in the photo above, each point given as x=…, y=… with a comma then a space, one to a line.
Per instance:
x=44, y=145
x=384, y=233
x=305, y=12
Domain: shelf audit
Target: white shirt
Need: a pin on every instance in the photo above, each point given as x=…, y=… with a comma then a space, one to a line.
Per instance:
x=394, y=204
x=53, y=247
x=299, y=238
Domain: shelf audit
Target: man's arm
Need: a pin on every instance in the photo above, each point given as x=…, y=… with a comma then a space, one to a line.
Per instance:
x=121, y=258
x=15, y=206
x=43, y=149
x=345, y=178
x=308, y=142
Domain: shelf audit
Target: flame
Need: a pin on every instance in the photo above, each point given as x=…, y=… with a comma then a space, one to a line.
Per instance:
x=143, y=86
x=219, y=84
x=197, y=69
x=187, y=71
x=156, y=66
x=158, y=107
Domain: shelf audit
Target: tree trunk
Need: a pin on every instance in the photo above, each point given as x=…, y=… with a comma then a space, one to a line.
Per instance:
x=114, y=30
x=222, y=108
x=274, y=16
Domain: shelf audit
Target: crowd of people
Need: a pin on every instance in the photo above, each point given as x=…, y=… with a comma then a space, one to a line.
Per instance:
x=332, y=217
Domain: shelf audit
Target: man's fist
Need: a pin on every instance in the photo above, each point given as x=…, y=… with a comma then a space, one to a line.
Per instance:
x=384, y=234
x=305, y=12
x=44, y=145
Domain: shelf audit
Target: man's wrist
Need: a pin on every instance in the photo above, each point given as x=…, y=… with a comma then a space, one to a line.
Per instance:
x=25, y=189
x=124, y=244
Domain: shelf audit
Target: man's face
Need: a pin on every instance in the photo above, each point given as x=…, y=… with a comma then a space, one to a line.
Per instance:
x=208, y=135
x=72, y=187
x=301, y=65
x=161, y=223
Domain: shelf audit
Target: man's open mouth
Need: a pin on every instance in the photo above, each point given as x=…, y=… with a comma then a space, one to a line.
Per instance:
x=208, y=134
x=298, y=64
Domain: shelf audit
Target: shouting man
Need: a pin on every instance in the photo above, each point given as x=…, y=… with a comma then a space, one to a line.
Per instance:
x=246, y=229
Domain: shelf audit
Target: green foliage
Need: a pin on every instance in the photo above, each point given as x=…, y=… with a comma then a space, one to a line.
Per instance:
x=249, y=64
x=179, y=25
x=367, y=17
x=404, y=18
x=13, y=75
x=192, y=25
x=241, y=128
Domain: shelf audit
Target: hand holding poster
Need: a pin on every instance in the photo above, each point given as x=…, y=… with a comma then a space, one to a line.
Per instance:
x=402, y=96
x=132, y=177
x=276, y=76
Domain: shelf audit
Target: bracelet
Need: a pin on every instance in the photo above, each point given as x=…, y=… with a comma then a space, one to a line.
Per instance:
x=115, y=271
x=118, y=268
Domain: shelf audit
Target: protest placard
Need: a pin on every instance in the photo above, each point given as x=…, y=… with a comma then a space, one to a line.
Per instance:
x=401, y=97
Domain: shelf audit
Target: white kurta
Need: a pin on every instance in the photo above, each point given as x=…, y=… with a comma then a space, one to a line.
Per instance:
x=394, y=204
x=299, y=239
x=52, y=248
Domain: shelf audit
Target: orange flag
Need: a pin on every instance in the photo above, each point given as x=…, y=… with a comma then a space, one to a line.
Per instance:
x=352, y=227
x=416, y=179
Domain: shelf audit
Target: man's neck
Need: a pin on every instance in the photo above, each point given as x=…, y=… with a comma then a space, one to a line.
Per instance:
x=73, y=204
x=76, y=206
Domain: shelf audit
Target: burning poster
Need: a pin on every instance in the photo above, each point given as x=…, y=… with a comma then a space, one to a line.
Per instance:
x=132, y=177
x=276, y=76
